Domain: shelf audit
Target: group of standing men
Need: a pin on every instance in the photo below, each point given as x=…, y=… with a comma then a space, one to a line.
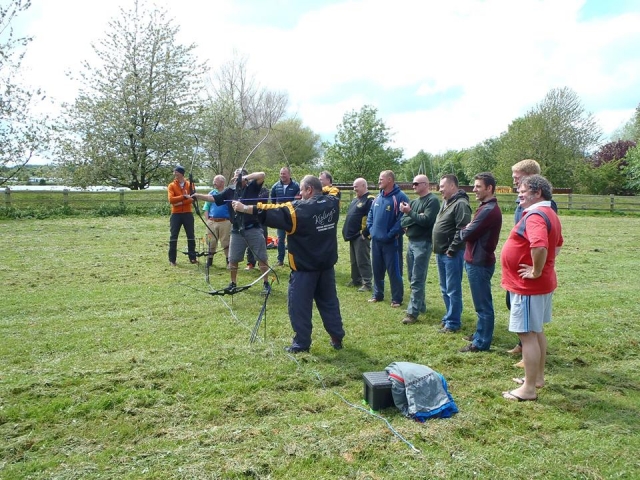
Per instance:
x=462, y=241
x=375, y=227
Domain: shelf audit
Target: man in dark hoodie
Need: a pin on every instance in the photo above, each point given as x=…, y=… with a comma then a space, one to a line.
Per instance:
x=383, y=224
x=453, y=216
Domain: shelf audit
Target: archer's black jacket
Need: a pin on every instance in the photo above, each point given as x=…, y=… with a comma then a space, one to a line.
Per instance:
x=311, y=230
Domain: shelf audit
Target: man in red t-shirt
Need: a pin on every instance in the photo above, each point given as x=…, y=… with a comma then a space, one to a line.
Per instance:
x=528, y=273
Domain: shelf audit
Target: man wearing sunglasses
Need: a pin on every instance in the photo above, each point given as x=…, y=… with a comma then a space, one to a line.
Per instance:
x=417, y=222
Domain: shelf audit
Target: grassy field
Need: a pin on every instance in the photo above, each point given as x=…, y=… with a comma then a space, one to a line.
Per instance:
x=114, y=365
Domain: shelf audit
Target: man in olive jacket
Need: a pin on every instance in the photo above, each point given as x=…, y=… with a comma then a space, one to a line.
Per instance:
x=454, y=214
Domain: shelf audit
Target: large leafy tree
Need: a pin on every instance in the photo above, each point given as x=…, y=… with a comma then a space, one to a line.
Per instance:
x=612, y=151
x=135, y=112
x=295, y=146
x=421, y=163
x=362, y=147
x=632, y=170
x=238, y=116
x=482, y=158
x=604, y=172
x=22, y=134
x=435, y=166
x=557, y=132
x=630, y=130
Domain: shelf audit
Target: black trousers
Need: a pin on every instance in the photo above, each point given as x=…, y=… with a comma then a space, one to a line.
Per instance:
x=176, y=221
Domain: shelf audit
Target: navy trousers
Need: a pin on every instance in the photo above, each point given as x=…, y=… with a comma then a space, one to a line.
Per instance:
x=304, y=289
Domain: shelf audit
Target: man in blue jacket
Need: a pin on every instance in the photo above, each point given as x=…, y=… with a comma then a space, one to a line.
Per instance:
x=383, y=225
x=284, y=190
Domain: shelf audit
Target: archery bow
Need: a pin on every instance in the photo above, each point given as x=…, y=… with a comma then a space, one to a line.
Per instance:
x=192, y=191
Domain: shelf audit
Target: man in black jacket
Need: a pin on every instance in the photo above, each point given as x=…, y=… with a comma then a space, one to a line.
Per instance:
x=355, y=232
x=311, y=225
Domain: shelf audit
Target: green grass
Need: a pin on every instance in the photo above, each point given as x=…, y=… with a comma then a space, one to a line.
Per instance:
x=113, y=365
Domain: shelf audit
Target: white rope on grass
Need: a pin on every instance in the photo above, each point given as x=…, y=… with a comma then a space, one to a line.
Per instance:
x=358, y=407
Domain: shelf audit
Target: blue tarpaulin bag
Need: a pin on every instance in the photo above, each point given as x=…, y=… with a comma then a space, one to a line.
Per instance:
x=420, y=392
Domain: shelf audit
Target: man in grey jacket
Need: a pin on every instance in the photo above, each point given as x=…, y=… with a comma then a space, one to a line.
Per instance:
x=454, y=215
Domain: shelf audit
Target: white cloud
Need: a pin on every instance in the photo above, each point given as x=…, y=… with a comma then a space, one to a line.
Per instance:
x=501, y=57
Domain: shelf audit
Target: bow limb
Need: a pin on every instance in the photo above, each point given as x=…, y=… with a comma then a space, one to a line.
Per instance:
x=192, y=191
x=255, y=148
x=263, y=311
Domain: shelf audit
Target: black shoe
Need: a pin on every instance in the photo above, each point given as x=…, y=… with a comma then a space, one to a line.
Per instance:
x=336, y=343
x=293, y=349
x=230, y=288
x=265, y=289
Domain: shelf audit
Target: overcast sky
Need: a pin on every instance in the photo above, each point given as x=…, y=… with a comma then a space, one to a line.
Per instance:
x=442, y=74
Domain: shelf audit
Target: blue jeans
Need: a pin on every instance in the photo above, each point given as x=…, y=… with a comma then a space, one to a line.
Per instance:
x=480, y=284
x=450, y=273
x=418, y=254
x=385, y=256
x=281, y=239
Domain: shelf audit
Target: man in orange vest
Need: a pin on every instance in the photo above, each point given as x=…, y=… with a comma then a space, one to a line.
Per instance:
x=179, y=193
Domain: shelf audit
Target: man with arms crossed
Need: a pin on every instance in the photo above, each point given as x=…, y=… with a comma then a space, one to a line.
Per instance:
x=482, y=235
x=453, y=216
x=528, y=273
x=417, y=222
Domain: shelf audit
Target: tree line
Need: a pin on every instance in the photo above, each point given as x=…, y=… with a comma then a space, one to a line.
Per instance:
x=147, y=103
